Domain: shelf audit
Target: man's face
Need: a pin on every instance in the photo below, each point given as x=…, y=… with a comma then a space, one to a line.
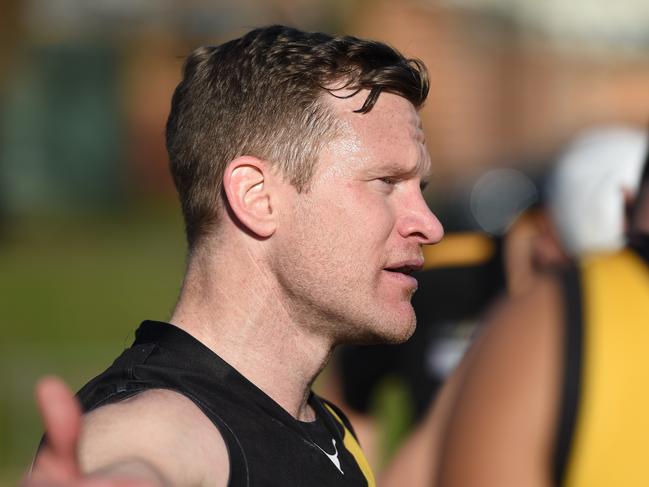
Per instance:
x=346, y=247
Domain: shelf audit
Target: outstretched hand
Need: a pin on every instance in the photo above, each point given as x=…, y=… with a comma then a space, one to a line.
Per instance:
x=57, y=463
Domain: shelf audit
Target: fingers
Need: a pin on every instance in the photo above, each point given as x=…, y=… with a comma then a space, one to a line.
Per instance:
x=61, y=415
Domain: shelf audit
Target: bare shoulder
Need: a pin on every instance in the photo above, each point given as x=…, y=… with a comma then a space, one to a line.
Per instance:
x=160, y=429
x=501, y=428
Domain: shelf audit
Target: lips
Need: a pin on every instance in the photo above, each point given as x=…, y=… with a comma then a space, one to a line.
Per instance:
x=401, y=272
x=406, y=267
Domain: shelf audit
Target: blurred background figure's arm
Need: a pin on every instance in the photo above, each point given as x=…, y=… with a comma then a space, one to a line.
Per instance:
x=502, y=427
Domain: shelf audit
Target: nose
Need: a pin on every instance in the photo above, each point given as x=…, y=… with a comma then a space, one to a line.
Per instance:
x=418, y=222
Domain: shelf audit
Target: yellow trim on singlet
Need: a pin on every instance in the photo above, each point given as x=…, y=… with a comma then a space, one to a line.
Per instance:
x=611, y=443
x=354, y=448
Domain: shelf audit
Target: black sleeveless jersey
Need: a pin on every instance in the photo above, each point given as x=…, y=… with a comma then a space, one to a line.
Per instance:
x=266, y=445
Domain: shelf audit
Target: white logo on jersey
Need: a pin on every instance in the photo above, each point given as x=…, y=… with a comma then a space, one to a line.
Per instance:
x=334, y=458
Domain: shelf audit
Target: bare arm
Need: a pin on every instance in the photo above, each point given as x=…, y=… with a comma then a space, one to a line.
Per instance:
x=501, y=429
x=157, y=438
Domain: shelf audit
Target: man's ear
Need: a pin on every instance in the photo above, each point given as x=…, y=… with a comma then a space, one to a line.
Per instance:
x=246, y=186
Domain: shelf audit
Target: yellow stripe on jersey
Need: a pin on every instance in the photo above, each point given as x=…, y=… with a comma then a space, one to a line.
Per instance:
x=611, y=443
x=355, y=449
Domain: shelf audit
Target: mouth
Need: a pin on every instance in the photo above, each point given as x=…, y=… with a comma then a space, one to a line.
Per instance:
x=407, y=267
x=404, y=270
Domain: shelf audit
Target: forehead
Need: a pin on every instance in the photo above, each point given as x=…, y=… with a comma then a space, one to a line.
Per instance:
x=389, y=134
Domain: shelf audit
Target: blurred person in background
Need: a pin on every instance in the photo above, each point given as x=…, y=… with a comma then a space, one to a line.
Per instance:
x=553, y=391
x=583, y=209
x=596, y=176
x=299, y=160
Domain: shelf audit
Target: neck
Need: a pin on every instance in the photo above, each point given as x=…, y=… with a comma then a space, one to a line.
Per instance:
x=236, y=309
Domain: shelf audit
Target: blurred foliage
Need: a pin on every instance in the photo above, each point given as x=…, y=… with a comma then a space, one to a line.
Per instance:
x=394, y=413
x=62, y=129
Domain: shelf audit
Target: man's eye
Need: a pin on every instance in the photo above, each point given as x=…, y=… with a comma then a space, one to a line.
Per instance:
x=389, y=180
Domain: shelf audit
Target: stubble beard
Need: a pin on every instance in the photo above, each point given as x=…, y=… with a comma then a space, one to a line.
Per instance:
x=340, y=319
x=333, y=304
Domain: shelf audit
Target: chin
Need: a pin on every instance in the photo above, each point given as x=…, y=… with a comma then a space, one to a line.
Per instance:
x=392, y=330
x=400, y=334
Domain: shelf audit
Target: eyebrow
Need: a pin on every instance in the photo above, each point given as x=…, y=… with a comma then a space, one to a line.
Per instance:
x=422, y=169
